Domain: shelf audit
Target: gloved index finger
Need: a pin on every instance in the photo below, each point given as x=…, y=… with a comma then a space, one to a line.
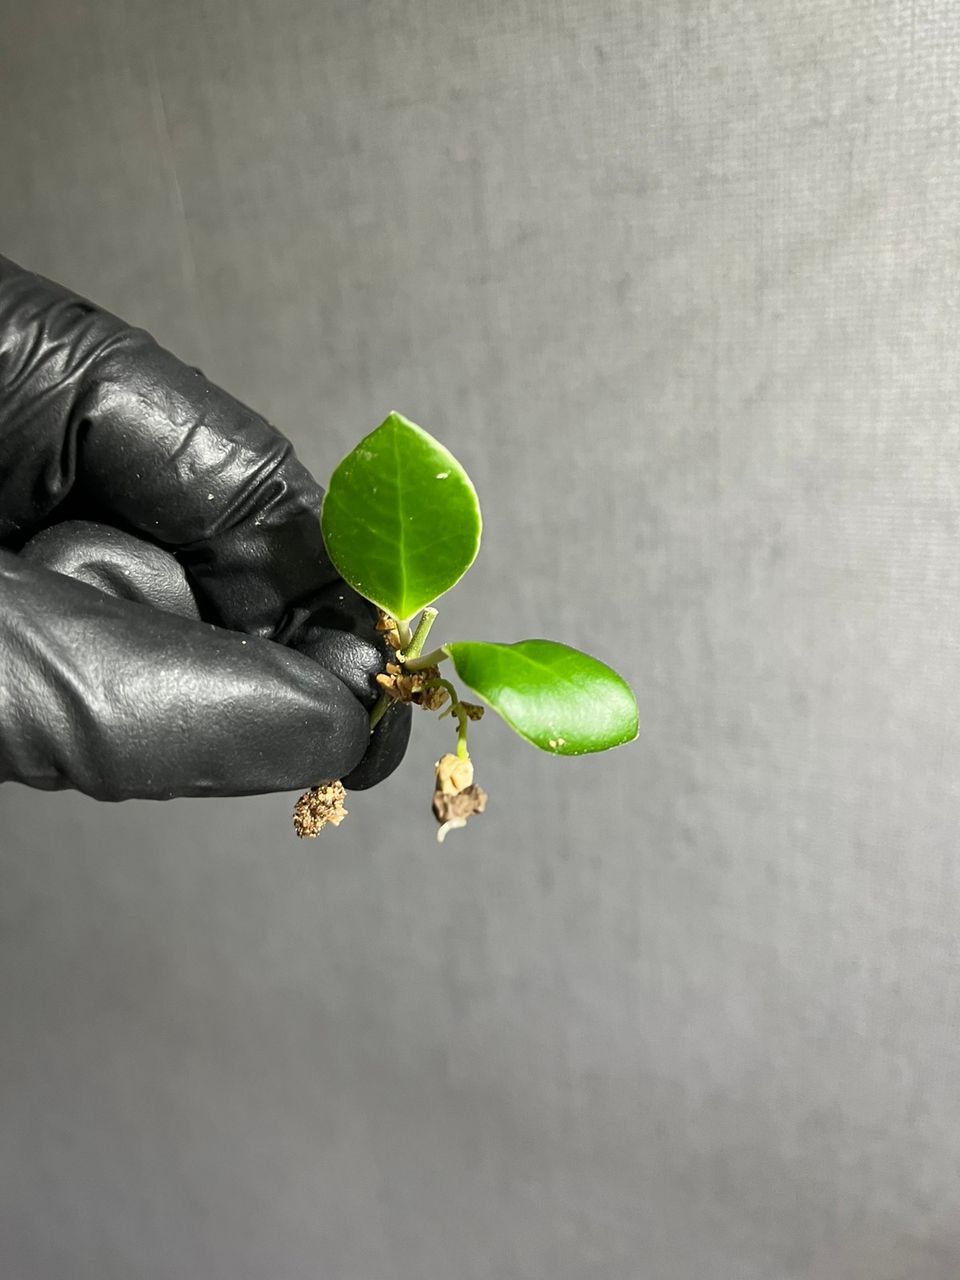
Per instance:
x=96, y=411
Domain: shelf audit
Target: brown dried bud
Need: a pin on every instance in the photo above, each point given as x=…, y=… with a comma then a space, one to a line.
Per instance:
x=389, y=626
x=319, y=807
x=387, y=680
x=473, y=709
x=432, y=699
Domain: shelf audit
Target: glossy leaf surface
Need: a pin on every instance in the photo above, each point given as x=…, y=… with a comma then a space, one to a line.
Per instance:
x=558, y=698
x=401, y=519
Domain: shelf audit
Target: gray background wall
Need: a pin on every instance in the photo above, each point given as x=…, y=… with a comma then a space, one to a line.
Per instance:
x=678, y=283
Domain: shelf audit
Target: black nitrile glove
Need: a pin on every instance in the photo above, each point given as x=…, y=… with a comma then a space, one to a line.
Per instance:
x=170, y=624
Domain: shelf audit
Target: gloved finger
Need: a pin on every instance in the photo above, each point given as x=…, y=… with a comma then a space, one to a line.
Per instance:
x=119, y=700
x=94, y=411
x=339, y=633
x=116, y=562
x=388, y=743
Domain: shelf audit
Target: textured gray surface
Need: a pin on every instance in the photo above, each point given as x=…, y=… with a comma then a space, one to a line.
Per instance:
x=678, y=283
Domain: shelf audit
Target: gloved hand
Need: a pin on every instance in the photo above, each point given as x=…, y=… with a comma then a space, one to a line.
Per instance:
x=170, y=623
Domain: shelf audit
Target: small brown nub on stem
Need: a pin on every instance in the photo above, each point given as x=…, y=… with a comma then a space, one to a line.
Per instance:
x=319, y=807
x=389, y=626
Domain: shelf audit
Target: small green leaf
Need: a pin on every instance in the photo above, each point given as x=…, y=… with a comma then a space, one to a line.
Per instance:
x=400, y=518
x=558, y=698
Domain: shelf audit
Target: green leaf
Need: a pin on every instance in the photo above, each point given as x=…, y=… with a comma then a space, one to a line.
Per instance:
x=401, y=519
x=558, y=698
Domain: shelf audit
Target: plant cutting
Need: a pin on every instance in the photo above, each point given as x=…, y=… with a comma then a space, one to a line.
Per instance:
x=401, y=523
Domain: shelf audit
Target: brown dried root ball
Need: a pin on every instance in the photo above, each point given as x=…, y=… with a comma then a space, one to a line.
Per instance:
x=318, y=808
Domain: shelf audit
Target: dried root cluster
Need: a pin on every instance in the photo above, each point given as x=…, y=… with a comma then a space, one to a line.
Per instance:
x=319, y=807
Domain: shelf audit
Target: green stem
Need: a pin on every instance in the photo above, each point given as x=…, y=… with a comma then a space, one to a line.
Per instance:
x=462, y=722
x=414, y=648
x=379, y=710
x=438, y=682
x=462, y=718
x=431, y=659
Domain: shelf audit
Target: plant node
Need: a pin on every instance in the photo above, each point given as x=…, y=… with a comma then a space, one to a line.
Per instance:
x=413, y=686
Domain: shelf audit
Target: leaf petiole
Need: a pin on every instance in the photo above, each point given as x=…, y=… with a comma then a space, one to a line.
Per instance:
x=431, y=659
